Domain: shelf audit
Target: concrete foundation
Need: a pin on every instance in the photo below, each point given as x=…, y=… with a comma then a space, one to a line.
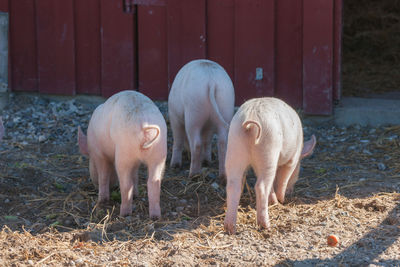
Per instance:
x=372, y=112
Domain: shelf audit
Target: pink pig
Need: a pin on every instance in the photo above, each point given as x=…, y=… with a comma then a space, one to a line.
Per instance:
x=201, y=103
x=267, y=134
x=125, y=131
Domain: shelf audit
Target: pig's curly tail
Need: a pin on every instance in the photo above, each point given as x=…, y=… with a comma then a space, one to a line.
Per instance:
x=248, y=124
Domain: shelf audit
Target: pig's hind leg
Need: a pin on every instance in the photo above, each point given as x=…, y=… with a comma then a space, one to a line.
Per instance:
x=155, y=170
x=179, y=137
x=265, y=170
x=127, y=173
x=283, y=175
x=104, y=170
x=272, y=196
x=293, y=179
x=235, y=170
x=222, y=147
x=193, y=131
x=206, y=136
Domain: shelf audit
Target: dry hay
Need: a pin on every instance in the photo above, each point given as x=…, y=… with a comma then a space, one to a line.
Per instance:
x=341, y=191
x=371, y=47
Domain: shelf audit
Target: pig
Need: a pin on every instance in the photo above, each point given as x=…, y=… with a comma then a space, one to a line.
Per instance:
x=125, y=131
x=200, y=104
x=1, y=129
x=266, y=134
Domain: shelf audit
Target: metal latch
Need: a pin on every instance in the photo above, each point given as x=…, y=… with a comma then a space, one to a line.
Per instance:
x=129, y=5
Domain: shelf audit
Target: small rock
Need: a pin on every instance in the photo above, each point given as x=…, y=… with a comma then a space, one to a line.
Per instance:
x=365, y=151
x=182, y=201
x=129, y=218
x=381, y=166
x=362, y=179
x=344, y=213
x=179, y=209
x=390, y=138
x=79, y=261
x=149, y=227
x=117, y=226
x=212, y=175
x=6, y=200
x=42, y=138
x=215, y=186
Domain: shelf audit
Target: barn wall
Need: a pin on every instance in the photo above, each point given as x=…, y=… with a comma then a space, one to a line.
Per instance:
x=288, y=49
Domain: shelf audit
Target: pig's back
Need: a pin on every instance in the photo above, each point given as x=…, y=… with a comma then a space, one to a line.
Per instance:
x=190, y=88
x=121, y=119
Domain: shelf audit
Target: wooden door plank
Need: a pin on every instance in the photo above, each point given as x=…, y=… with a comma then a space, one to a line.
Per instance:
x=152, y=51
x=289, y=54
x=23, y=49
x=117, y=48
x=87, y=45
x=186, y=33
x=317, y=56
x=55, y=44
x=254, y=48
x=220, y=33
x=4, y=5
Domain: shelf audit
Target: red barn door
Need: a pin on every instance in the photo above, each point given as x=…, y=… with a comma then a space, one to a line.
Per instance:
x=287, y=49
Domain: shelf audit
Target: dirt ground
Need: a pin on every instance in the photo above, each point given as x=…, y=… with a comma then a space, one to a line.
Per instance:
x=350, y=188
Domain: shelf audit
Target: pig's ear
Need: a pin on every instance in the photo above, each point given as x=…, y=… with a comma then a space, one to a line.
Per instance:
x=151, y=133
x=1, y=128
x=82, y=141
x=308, y=147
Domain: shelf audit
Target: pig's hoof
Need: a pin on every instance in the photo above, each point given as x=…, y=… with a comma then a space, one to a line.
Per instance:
x=103, y=203
x=136, y=193
x=272, y=199
x=230, y=228
x=193, y=174
x=155, y=216
x=175, y=165
x=123, y=212
x=263, y=224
